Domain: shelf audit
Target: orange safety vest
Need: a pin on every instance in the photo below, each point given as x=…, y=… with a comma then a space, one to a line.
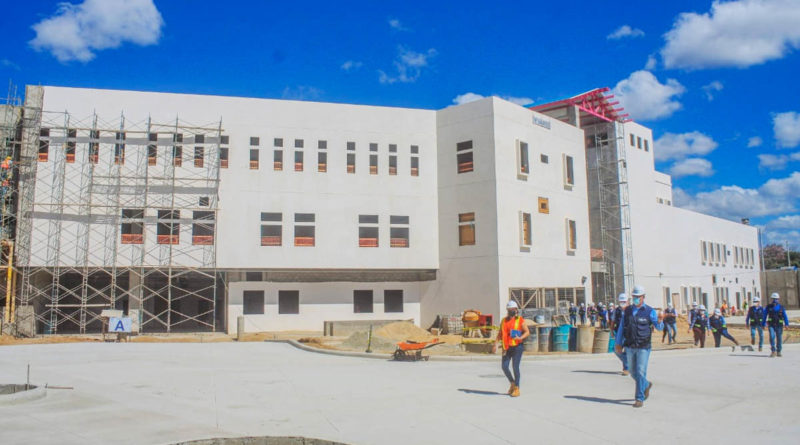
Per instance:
x=506, y=327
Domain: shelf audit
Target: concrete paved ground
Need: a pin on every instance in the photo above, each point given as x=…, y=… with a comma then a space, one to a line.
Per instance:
x=163, y=393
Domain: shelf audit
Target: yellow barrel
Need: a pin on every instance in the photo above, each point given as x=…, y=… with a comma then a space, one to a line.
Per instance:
x=585, y=338
x=601, y=339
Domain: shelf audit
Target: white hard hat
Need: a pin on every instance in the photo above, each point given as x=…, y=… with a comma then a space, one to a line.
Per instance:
x=775, y=296
x=638, y=291
x=756, y=299
x=623, y=297
x=669, y=305
x=702, y=307
x=694, y=304
x=512, y=305
x=717, y=311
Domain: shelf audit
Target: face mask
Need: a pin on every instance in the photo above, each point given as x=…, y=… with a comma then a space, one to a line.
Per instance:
x=512, y=312
x=636, y=301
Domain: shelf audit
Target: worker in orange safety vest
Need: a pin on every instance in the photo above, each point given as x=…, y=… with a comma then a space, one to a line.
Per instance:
x=513, y=332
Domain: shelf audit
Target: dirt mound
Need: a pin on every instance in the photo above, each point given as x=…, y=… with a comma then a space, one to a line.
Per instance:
x=358, y=342
x=403, y=330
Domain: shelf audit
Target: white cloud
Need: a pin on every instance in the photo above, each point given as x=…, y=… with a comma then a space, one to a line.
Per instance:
x=678, y=146
x=408, y=66
x=784, y=187
x=787, y=129
x=75, y=32
x=472, y=97
x=691, y=167
x=733, y=33
x=754, y=141
x=712, y=88
x=785, y=222
x=396, y=25
x=772, y=162
x=782, y=237
x=651, y=64
x=9, y=64
x=625, y=31
x=351, y=65
x=645, y=98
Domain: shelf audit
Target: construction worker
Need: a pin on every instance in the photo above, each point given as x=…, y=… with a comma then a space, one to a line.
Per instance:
x=753, y=320
x=700, y=326
x=573, y=314
x=602, y=315
x=720, y=329
x=635, y=335
x=616, y=317
x=582, y=313
x=593, y=313
x=670, y=323
x=692, y=313
x=775, y=316
x=513, y=331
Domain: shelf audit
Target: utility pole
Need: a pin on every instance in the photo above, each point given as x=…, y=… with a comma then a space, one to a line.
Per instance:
x=788, y=255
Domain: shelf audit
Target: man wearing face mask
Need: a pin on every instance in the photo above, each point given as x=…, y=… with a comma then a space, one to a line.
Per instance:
x=775, y=317
x=635, y=335
x=513, y=332
x=616, y=318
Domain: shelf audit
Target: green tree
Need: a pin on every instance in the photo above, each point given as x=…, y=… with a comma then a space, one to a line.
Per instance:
x=775, y=257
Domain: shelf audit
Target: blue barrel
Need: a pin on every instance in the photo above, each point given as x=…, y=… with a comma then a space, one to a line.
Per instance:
x=544, y=339
x=573, y=338
x=561, y=338
x=611, y=344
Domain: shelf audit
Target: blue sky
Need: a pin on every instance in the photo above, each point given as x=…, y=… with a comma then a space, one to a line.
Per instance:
x=716, y=81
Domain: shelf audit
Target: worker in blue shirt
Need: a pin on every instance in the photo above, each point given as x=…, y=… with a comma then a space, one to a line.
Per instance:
x=602, y=315
x=573, y=314
x=700, y=326
x=692, y=313
x=755, y=316
x=582, y=313
x=635, y=334
x=720, y=329
x=776, y=318
x=616, y=318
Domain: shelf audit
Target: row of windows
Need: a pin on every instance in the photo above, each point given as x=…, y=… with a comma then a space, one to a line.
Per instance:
x=664, y=201
x=636, y=142
x=289, y=301
x=168, y=227
x=305, y=231
x=716, y=254
x=466, y=230
x=322, y=162
x=465, y=161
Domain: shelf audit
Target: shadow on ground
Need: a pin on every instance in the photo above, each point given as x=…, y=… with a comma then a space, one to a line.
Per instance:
x=586, y=371
x=627, y=402
x=482, y=393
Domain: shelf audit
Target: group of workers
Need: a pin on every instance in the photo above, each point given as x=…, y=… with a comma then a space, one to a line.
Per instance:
x=598, y=315
x=632, y=324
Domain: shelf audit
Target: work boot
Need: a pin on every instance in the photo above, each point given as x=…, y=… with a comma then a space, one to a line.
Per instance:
x=752, y=342
x=625, y=372
x=638, y=404
x=647, y=390
x=515, y=393
x=511, y=389
x=760, y=348
x=733, y=348
x=773, y=355
x=779, y=354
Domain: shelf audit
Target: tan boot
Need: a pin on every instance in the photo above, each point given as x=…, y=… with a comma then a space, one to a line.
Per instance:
x=511, y=389
x=515, y=393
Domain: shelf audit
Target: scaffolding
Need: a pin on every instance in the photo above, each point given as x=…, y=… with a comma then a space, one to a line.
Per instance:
x=111, y=217
x=10, y=136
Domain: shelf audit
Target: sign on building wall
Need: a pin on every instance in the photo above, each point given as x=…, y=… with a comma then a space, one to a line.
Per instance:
x=541, y=122
x=119, y=324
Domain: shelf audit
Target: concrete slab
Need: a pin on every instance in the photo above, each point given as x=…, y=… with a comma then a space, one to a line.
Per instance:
x=131, y=393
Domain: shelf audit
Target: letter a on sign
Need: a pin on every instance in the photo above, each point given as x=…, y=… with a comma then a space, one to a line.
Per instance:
x=119, y=327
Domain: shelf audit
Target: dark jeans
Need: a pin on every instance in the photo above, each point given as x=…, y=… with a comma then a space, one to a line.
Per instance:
x=583, y=319
x=669, y=329
x=723, y=333
x=776, y=338
x=512, y=354
x=753, y=329
x=603, y=323
x=573, y=320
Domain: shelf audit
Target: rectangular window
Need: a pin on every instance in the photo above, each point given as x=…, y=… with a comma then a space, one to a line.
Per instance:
x=522, y=159
x=572, y=235
x=351, y=146
x=638, y=142
x=525, y=233
x=69, y=150
x=351, y=162
x=392, y=165
x=322, y=145
x=704, y=251
x=199, y=155
x=367, y=230
x=203, y=201
x=322, y=162
x=254, y=141
x=544, y=205
x=132, y=229
x=224, y=140
x=373, y=164
x=544, y=159
x=253, y=276
x=414, y=149
x=277, y=160
x=253, y=159
x=277, y=142
x=298, y=143
x=464, y=157
x=646, y=145
x=271, y=229
x=253, y=302
x=414, y=166
x=119, y=149
x=373, y=147
x=168, y=229
x=633, y=140
x=223, y=157
x=466, y=229
x=288, y=302
x=362, y=301
x=199, y=139
x=304, y=229
x=44, y=144
x=298, y=161
x=203, y=228
x=393, y=301
x=392, y=148
x=152, y=154
x=177, y=155
x=94, y=147
x=569, y=172
x=398, y=231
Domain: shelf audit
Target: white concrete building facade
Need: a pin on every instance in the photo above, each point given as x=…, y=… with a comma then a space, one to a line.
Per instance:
x=295, y=213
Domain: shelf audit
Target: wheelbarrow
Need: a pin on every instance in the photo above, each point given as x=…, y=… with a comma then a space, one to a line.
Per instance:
x=411, y=351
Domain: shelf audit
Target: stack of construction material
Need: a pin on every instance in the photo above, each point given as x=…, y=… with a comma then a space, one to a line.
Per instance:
x=451, y=324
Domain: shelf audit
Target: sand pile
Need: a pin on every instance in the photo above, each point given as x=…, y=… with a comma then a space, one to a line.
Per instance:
x=358, y=342
x=402, y=331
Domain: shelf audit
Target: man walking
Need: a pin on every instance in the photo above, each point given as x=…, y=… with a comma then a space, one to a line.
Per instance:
x=700, y=326
x=616, y=318
x=603, y=316
x=720, y=329
x=670, y=323
x=635, y=334
x=582, y=313
x=513, y=331
x=776, y=318
x=692, y=313
x=573, y=314
x=754, y=319
x=593, y=313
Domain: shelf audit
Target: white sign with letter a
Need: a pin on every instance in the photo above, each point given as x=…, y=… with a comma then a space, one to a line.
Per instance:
x=119, y=324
